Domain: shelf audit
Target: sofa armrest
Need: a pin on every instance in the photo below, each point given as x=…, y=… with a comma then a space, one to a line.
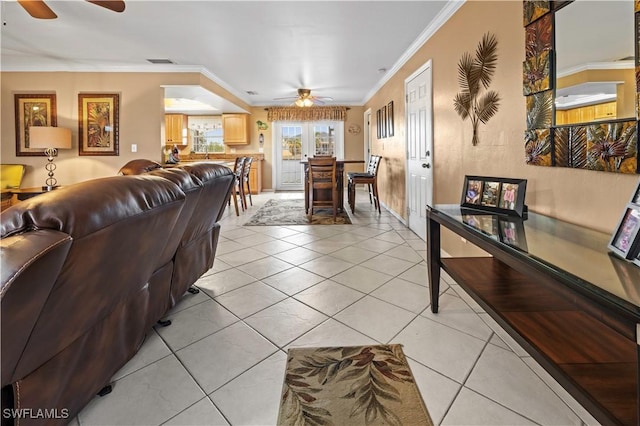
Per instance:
x=31, y=263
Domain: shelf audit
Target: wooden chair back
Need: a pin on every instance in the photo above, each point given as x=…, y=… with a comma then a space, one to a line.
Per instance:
x=322, y=179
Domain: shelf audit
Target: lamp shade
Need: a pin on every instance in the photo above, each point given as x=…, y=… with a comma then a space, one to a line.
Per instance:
x=49, y=137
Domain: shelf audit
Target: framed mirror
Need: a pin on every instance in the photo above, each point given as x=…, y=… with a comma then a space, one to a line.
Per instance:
x=594, y=62
x=585, y=112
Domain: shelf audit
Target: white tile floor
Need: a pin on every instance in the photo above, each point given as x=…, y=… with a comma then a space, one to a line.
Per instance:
x=223, y=358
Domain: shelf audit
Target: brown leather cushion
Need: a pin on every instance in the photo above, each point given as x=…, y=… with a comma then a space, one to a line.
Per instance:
x=138, y=167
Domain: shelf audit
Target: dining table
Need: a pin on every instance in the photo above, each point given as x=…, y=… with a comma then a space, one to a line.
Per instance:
x=324, y=195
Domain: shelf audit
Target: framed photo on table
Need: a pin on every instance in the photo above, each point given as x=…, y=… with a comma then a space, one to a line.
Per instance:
x=625, y=239
x=98, y=123
x=495, y=194
x=32, y=110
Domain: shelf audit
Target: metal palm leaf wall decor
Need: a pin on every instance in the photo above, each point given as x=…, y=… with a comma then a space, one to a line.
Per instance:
x=473, y=75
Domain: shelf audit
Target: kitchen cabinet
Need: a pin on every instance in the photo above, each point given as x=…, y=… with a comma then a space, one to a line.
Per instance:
x=586, y=114
x=606, y=111
x=235, y=129
x=175, y=129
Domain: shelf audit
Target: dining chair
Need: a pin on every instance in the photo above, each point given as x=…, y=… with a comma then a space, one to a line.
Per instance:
x=238, y=186
x=369, y=178
x=246, y=188
x=322, y=181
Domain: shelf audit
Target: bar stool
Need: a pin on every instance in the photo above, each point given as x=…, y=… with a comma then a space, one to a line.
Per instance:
x=246, y=188
x=238, y=186
x=369, y=178
x=322, y=179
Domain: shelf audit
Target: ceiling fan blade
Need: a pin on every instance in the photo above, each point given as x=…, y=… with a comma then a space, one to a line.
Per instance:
x=38, y=9
x=115, y=5
x=286, y=98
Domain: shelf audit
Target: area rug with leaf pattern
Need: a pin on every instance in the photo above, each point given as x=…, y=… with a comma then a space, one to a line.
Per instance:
x=290, y=211
x=353, y=385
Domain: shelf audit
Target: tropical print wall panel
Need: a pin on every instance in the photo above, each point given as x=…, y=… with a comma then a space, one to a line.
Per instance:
x=534, y=9
x=535, y=73
x=537, y=145
x=539, y=110
x=538, y=37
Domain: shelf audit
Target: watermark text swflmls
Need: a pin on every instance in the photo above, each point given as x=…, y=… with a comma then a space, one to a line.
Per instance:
x=35, y=413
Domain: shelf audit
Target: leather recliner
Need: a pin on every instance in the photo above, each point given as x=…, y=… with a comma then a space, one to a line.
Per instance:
x=86, y=271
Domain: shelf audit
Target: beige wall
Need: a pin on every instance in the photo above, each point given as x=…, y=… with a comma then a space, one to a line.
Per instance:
x=594, y=199
x=141, y=118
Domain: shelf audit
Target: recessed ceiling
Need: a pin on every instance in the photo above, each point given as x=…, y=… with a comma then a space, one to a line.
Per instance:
x=334, y=48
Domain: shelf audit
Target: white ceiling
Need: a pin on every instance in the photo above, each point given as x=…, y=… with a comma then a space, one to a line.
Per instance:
x=338, y=49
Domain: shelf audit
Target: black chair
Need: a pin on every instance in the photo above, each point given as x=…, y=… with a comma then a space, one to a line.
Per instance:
x=369, y=178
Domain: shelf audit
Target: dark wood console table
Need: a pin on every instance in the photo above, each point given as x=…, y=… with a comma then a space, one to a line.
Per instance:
x=559, y=293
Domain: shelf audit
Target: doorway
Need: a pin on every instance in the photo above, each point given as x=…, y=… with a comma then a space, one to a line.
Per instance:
x=295, y=141
x=419, y=177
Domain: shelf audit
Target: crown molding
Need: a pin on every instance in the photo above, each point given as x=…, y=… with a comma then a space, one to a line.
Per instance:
x=442, y=17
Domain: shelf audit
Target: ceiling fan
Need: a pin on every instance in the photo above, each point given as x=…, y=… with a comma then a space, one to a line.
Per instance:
x=304, y=98
x=39, y=9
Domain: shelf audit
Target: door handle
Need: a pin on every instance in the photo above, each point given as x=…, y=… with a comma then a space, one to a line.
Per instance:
x=426, y=165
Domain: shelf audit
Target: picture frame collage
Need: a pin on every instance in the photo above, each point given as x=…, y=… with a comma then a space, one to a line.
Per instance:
x=625, y=241
x=98, y=121
x=495, y=194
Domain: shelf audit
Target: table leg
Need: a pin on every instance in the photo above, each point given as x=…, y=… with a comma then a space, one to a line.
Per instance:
x=306, y=189
x=433, y=256
x=340, y=182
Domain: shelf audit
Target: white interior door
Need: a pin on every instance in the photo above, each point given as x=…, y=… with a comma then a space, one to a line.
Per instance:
x=296, y=141
x=418, y=91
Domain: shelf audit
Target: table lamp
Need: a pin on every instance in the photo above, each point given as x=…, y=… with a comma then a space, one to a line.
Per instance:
x=51, y=139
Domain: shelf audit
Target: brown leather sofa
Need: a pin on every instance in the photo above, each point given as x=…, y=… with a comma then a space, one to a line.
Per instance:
x=88, y=269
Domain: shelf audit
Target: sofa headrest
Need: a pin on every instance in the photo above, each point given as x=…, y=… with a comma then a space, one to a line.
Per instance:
x=185, y=180
x=206, y=171
x=138, y=167
x=85, y=207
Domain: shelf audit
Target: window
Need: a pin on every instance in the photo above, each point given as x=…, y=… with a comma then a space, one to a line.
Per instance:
x=206, y=133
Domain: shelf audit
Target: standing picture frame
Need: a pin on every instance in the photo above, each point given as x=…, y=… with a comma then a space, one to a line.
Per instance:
x=98, y=123
x=495, y=194
x=32, y=110
x=624, y=241
x=635, y=198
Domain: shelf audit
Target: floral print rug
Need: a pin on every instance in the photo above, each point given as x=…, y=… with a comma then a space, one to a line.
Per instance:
x=285, y=212
x=354, y=385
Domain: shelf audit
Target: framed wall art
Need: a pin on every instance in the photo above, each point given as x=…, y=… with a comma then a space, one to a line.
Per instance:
x=98, y=123
x=390, y=119
x=495, y=194
x=625, y=239
x=32, y=110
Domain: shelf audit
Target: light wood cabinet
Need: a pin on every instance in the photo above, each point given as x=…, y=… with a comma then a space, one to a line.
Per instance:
x=235, y=129
x=605, y=111
x=585, y=114
x=255, y=177
x=175, y=129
